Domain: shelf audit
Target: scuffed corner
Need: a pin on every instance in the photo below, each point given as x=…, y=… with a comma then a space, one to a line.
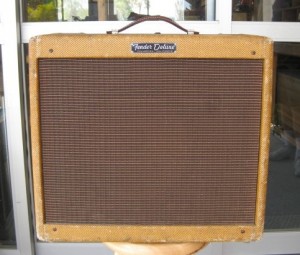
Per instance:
x=268, y=40
x=255, y=236
x=34, y=45
x=42, y=236
x=257, y=233
x=35, y=39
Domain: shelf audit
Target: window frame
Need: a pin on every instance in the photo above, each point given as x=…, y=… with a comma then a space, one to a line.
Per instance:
x=11, y=57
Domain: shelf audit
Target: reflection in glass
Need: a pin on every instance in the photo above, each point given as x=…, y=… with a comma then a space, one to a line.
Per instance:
x=266, y=10
x=92, y=10
x=45, y=10
x=7, y=231
x=283, y=207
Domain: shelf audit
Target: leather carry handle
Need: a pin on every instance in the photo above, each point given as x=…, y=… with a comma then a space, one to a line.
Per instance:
x=152, y=18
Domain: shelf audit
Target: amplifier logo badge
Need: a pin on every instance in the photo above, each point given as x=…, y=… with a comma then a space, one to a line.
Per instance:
x=153, y=47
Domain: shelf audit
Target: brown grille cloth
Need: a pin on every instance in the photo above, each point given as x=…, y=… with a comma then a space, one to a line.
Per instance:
x=150, y=141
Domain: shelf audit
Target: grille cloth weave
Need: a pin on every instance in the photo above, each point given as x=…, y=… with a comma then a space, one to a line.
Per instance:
x=150, y=141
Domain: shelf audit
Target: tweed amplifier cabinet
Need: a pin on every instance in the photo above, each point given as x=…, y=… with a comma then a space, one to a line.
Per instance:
x=150, y=138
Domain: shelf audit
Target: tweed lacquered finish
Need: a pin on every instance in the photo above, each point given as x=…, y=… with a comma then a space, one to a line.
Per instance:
x=150, y=149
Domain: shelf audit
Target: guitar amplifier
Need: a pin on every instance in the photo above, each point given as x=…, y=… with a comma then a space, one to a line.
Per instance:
x=150, y=138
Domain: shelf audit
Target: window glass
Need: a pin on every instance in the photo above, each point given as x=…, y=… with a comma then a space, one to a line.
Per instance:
x=283, y=207
x=7, y=230
x=92, y=10
x=266, y=10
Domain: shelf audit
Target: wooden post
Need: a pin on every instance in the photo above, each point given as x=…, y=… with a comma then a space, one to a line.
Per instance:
x=102, y=10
